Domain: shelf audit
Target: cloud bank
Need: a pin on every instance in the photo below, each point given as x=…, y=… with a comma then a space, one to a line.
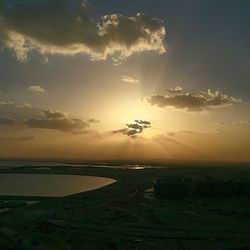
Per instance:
x=7, y=121
x=58, y=121
x=64, y=27
x=25, y=115
x=192, y=102
x=133, y=129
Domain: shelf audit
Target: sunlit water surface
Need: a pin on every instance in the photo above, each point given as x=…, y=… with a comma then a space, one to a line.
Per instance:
x=47, y=165
x=49, y=185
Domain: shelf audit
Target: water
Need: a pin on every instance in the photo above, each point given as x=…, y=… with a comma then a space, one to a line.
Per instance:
x=28, y=163
x=49, y=185
x=46, y=165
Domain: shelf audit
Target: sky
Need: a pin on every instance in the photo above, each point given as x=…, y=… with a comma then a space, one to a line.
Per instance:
x=125, y=80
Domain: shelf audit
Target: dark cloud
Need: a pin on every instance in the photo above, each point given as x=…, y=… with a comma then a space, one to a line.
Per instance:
x=128, y=132
x=135, y=126
x=92, y=120
x=60, y=124
x=64, y=27
x=192, y=101
x=26, y=115
x=7, y=121
x=143, y=122
x=54, y=114
x=18, y=111
x=58, y=121
x=133, y=129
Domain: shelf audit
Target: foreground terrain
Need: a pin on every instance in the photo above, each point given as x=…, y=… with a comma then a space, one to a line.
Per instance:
x=122, y=216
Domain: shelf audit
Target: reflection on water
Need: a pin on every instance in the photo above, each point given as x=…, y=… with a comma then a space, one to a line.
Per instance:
x=149, y=193
x=136, y=167
x=49, y=185
x=42, y=168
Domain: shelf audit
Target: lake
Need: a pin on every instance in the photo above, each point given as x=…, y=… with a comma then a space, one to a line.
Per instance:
x=49, y=184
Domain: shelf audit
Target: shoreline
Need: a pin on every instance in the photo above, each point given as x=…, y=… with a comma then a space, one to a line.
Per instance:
x=118, y=216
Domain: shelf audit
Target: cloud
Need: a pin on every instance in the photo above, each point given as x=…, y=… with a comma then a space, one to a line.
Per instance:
x=16, y=139
x=133, y=129
x=73, y=125
x=192, y=102
x=7, y=121
x=129, y=79
x=143, y=122
x=7, y=103
x=24, y=105
x=54, y=114
x=135, y=126
x=58, y=121
x=176, y=90
x=37, y=88
x=18, y=111
x=92, y=120
x=32, y=117
x=4, y=102
x=64, y=27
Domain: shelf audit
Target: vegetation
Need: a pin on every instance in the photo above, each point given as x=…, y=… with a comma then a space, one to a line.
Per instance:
x=208, y=188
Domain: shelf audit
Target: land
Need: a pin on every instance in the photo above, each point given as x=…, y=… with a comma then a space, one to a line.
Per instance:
x=121, y=216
